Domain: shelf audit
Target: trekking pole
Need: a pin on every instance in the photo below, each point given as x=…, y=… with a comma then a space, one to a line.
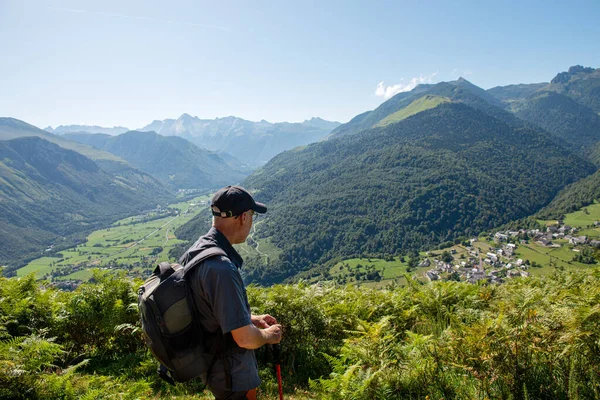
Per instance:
x=277, y=356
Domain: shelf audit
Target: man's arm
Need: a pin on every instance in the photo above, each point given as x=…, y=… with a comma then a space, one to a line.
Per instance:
x=250, y=337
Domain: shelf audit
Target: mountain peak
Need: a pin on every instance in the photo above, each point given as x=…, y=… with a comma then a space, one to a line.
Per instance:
x=564, y=77
x=462, y=82
x=186, y=117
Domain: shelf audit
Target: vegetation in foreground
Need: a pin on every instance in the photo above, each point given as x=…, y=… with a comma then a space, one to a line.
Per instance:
x=529, y=338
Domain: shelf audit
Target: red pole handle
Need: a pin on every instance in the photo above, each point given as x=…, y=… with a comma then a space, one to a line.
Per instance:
x=279, y=384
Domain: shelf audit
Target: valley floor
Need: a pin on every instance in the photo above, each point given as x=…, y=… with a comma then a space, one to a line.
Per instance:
x=134, y=244
x=137, y=243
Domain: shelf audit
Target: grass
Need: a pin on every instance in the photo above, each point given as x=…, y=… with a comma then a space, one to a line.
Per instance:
x=421, y=104
x=129, y=241
x=584, y=217
x=590, y=232
x=391, y=271
x=549, y=258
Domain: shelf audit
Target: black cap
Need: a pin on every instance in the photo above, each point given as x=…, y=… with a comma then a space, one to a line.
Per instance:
x=232, y=201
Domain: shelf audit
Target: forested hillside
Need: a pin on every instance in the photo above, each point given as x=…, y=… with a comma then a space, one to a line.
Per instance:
x=573, y=197
x=530, y=338
x=511, y=93
x=445, y=172
x=173, y=160
x=48, y=195
x=575, y=123
x=582, y=84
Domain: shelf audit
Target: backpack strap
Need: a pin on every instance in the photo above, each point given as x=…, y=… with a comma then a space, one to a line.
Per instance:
x=204, y=255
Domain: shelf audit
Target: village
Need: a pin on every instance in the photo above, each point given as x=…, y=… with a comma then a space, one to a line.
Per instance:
x=502, y=262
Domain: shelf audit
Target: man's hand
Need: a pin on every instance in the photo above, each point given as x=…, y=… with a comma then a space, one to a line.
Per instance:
x=273, y=334
x=263, y=321
x=251, y=337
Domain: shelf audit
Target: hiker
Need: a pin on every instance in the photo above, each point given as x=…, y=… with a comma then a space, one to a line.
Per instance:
x=220, y=296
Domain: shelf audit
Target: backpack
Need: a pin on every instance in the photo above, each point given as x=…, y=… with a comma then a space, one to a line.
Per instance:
x=170, y=323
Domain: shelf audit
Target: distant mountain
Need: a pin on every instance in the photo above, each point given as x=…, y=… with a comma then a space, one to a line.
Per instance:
x=173, y=160
x=560, y=115
x=62, y=129
x=49, y=195
x=512, y=93
x=252, y=142
x=445, y=172
x=581, y=84
x=11, y=128
x=568, y=108
x=461, y=91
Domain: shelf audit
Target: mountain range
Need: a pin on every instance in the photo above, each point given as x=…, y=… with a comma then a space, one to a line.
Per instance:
x=432, y=165
x=568, y=107
x=62, y=129
x=50, y=195
x=173, y=160
x=254, y=143
x=236, y=139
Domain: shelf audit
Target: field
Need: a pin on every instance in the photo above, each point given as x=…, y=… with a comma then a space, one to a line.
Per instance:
x=391, y=272
x=137, y=242
x=584, y=217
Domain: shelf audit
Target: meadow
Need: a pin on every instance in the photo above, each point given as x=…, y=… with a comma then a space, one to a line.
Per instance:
x=584, y=217
x=134, y=241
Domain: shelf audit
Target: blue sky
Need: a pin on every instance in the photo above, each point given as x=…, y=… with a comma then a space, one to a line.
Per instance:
x=129, y=62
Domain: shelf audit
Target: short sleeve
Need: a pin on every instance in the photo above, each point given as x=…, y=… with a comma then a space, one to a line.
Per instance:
x=226, y=294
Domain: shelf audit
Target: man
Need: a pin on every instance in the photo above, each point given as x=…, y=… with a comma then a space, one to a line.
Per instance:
x=221, y=298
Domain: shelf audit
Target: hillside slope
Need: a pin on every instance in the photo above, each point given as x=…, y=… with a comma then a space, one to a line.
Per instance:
x=11, y=128
x=582, y=84
x=48, y=193
x=573, y=197
x=432, y=177
x=560, y=115
x=511, y=93
x=459, y=91
x=173, y=160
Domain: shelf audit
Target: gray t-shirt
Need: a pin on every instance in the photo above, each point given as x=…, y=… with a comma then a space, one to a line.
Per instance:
x=222, y=302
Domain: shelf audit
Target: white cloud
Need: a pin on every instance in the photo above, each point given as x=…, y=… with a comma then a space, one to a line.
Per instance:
x=388, y=91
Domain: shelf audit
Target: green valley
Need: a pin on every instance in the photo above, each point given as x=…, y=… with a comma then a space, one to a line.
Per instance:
x=134, y=244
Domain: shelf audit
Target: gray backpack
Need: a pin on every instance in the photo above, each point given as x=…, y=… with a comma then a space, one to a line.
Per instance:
x=170, y=323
